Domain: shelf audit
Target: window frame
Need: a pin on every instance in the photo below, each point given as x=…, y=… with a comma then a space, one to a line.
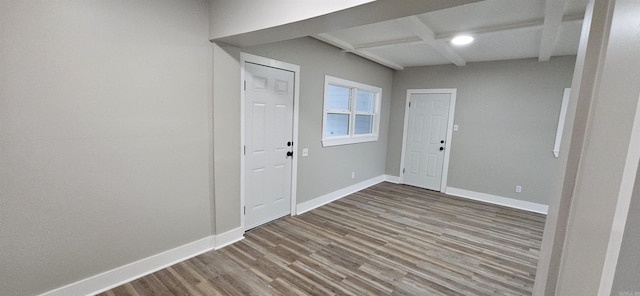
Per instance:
x=351, y=137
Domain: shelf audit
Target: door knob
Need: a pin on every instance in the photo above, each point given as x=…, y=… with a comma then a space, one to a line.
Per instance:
x=441, y=141
x=289, y=144
x=441, y=148
x=289, y=153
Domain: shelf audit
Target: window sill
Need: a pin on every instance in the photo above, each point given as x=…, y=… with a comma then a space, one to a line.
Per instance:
x=348, y=140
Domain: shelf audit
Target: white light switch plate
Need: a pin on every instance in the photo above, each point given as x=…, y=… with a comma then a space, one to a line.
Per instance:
x=305, y=152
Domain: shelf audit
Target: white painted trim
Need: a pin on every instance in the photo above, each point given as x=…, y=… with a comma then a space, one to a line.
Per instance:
x=561, y=119
x=120, y=275
x=338, y=194
x=245, y=57
x=346, y=140
x=392, y=179
x=622, y=207
x=405, y=129
x=227, y=238
x=447, y=153
x=447, y=150
x=129, y=272
x=296, y=139
x=499, y=200
x=351, y=138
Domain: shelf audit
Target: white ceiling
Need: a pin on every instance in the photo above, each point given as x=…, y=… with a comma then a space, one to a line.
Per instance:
x=503, y=29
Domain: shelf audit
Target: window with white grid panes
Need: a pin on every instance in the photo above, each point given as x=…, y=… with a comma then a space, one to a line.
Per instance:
x=351, y=112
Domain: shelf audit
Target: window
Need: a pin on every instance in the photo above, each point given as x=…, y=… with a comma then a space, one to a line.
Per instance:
x=351, y=112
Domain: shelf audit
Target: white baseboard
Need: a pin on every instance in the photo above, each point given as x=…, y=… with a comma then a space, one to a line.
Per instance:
x=129, y=272
x=392, y=179
x=226, y=238
x=338, y=194
x=126, y=273
x=499, y=200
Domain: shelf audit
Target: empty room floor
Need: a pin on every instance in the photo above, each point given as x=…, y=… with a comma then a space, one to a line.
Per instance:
x=388, y=239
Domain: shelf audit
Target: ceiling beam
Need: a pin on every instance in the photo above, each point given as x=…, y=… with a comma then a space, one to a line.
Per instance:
x=553, y=12
x=370, y=13
x=534, y=24
x=421, y=30
x=446, y=36
x=387, y=43
x=348, y=47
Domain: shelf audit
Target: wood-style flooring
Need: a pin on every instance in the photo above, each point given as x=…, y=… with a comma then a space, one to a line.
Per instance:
x=385, y=240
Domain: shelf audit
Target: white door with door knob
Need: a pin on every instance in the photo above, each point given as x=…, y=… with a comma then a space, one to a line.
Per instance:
x=268, y=151
x=426, y=138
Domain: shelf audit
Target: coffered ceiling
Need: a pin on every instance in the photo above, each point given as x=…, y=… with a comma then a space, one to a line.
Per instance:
x=502, y=29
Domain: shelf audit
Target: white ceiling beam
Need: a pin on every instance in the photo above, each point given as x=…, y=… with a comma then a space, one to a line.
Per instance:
x=421, y=30
x=387, y=43
x=493, y=29
x=348, y=47
x=508, y=27
x=370, y=13
x=553, y=12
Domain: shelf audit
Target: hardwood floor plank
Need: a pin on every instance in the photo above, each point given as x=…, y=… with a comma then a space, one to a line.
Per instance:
x=388, y=239
x=124, y=290
x=150, y=285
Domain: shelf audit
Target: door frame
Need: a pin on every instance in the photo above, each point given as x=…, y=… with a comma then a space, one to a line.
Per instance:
x=254, y=59
x=447, y=147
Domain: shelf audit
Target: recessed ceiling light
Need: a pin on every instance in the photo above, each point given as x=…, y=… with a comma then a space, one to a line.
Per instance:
x=462, y=40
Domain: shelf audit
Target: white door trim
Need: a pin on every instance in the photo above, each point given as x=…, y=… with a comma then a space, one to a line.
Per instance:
x=245, y=57
x=452, y=108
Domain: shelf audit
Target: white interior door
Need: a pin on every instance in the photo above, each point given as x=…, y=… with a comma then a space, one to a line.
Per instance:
x=268, y=142
x=426, y=139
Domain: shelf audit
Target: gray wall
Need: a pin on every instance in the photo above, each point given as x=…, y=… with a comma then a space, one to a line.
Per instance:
x=328, y=169
x=628, y=268
x=507, y=112
x=226, y=137
x=104, y=136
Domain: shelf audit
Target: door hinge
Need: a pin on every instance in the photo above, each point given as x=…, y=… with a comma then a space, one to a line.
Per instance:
x=403, y=171
x=409, y=104
x=245, y=150
x=245, y=85
x=245, y=210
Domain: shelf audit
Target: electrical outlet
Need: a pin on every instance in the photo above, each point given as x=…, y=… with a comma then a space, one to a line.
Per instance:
x=518, y=188
x=353, y=174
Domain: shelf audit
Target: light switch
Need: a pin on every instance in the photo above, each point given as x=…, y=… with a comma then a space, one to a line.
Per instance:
x=305, y=152
x=455, y=127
